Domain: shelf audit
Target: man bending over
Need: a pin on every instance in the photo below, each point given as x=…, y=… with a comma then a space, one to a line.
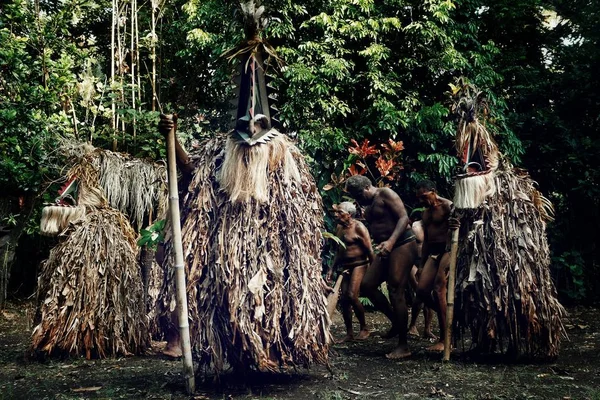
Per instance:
x=396, y=252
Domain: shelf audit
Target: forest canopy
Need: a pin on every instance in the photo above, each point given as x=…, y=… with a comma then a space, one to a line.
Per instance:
x=352, y=70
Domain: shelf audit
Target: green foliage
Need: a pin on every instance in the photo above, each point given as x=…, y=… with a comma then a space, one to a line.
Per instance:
x=336, y=240
x=153, y=235
x=354, y=70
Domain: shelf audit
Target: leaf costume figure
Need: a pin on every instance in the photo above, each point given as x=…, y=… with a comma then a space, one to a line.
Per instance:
x=505, y=295
x=251, y=231
x=90, y=292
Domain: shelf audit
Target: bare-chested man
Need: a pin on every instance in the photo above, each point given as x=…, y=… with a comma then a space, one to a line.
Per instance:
x=434, y=257
x=397, y=250
x=417, y=303
x=353, y=261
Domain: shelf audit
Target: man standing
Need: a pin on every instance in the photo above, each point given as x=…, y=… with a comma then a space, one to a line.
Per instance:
x=434, y=257
x=396, y=252
x=353, y=260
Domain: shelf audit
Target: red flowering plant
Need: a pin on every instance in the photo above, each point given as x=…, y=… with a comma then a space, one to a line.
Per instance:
x=382, y=164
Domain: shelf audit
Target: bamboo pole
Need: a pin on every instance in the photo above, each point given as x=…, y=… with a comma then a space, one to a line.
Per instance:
x=184, y=327
x=333, y=298
x=153, y=53
x=450, y=294
x=112, y=73
x=133, y=62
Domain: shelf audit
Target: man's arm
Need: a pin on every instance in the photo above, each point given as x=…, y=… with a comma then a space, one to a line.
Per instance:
x=363, y=234
x=396, y=207
x=183, y=161
x=425, y=246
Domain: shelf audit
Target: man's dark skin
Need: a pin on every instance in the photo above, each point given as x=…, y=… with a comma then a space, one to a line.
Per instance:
x=388, y=221
x=354, y=258
x=415, y=272
x=435, y=259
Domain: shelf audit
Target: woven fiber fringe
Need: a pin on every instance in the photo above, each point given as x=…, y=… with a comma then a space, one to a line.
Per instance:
x=135, y=187
x=90, y=291
x=504, y=292
x=254, y=286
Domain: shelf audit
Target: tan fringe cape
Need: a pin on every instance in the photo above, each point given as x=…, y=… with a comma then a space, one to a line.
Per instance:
x=90, y=291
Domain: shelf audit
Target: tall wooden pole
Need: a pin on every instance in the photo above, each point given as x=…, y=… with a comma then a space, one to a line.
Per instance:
x=112, y=73
x=184, y=326
x=450, y=295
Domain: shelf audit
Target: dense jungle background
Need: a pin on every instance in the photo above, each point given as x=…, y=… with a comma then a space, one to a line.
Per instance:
x=354, y=74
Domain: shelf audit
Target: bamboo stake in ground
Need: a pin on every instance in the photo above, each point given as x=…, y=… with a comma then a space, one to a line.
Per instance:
x=184, y=327
x=450, y=295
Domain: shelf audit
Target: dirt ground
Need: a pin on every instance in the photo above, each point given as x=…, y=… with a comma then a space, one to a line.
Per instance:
x=359, y=370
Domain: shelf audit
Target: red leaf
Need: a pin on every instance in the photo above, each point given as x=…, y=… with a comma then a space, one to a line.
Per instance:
x=355, y=171
x=384, y=166
x=363, y=150
x=394, y=147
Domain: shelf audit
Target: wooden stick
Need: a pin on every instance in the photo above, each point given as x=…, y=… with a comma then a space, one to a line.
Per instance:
x=450, y=295
x=184, y=326
x=333, y=298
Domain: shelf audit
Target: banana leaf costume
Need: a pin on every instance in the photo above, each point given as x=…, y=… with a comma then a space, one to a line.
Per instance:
x=90, y=298
x=505, y=295
x=251, y=227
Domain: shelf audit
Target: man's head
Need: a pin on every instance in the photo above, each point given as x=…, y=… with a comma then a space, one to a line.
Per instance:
x=344, y=211
x=359, y=187
x=426, y=193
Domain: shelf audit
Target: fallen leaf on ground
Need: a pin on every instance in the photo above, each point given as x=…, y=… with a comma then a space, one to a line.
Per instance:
x=87, y=389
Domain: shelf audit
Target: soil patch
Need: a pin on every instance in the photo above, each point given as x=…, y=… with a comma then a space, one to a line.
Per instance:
x=358, y=370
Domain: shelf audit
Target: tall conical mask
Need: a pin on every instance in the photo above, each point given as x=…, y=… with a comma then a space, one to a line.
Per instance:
x=253, y=115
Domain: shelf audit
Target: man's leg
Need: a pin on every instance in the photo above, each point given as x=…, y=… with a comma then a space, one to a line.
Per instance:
x=439, y=294
x=428, y=313
x=173, y=348
x=354, y=290
x=426, y=283
x=417, y=303
x=346, y=309
x=400, y=263
x=369, y=286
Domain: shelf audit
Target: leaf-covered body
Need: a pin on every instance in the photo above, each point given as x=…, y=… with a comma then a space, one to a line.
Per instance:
x=90, y=299
x=90, y=294
x=253, y=267
x=505, y=295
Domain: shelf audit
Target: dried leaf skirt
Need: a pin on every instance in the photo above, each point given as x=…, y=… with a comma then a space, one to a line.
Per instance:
x=505, y=295
x=90, y=291
x=253, y=269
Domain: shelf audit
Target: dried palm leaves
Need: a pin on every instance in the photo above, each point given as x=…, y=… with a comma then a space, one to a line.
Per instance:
x=504, y=289
x=135, y=187
x=253, y=265
x=90, y=291
x=505, y=294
